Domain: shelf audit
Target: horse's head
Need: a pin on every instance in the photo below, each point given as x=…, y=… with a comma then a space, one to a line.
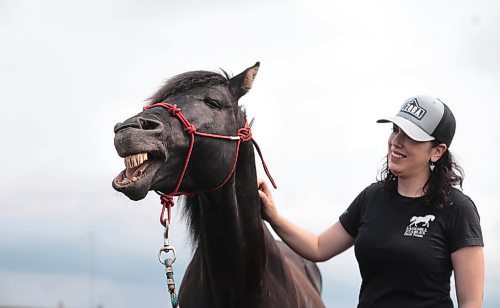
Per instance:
x=155, y=143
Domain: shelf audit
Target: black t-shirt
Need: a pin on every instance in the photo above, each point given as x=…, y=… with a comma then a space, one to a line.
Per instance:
x=403, y=246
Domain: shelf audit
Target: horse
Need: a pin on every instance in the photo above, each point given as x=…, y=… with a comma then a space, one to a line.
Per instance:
x=236, y=260
x=415, y=220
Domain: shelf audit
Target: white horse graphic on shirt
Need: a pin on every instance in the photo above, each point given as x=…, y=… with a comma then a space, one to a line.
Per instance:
x=415, y=220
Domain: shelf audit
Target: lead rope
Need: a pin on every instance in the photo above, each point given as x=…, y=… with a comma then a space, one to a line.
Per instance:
x=169, y=270
x=167, y=201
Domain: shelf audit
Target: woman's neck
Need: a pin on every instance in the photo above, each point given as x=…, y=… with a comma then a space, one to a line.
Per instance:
x=412, y=187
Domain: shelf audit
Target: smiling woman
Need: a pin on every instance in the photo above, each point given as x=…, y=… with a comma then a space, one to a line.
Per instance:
x=412, y=228
x=418, y=152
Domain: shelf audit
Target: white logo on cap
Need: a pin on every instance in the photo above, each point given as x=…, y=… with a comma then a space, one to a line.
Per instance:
x=414, y=109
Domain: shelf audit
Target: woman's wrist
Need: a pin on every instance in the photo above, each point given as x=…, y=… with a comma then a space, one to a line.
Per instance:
x=276, y=221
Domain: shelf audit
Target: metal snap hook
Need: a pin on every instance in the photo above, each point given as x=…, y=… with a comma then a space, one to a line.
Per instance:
x=166, y=249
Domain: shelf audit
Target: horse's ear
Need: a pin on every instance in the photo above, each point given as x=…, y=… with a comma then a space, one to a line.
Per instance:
x=242, y=83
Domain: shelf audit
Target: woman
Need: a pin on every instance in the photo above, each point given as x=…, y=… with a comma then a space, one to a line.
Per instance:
x=412, y=228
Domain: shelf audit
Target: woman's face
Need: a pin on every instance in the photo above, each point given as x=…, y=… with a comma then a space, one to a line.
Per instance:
x=409, y=158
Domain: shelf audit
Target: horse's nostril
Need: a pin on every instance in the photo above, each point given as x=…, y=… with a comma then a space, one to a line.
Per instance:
x=138, y=123
x=118, y=127
x=147, y=124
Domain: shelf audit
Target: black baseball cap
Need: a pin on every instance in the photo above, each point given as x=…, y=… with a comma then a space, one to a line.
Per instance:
x=425, y=118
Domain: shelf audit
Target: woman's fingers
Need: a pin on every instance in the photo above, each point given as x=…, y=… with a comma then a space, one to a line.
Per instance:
x=262, y=186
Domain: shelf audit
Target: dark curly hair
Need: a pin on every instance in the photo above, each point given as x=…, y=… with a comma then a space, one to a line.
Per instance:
x=437, y=189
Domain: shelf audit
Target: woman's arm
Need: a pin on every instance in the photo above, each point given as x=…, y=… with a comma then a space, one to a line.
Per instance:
x=468, y=264
x=331, y=242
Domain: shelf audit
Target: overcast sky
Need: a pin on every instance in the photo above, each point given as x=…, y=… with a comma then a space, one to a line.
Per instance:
x=69, y=70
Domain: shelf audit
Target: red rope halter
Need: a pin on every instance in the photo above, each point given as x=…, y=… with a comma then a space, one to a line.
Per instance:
x=244, y=134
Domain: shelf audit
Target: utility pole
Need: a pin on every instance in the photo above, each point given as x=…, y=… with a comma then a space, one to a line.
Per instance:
x=91, y=269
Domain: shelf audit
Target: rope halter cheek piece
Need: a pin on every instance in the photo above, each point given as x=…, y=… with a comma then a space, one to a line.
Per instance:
x=244, y=134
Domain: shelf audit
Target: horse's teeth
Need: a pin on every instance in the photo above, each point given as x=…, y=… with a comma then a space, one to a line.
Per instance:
x=135, y=160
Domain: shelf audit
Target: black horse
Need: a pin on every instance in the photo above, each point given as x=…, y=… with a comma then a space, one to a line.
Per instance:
x=237, y=262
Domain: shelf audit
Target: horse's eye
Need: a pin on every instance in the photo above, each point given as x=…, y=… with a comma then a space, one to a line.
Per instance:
x=211, y=102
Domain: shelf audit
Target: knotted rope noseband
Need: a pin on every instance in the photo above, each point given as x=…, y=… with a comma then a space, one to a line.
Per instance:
x=243, y=134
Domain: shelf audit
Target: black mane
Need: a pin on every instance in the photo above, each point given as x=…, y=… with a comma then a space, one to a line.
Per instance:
x=187, y=81
x=191, y=214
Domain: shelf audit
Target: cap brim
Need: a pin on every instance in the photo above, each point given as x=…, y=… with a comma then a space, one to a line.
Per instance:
x=410, y=129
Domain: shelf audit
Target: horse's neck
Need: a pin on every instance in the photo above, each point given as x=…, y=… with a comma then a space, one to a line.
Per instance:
x=231, y=242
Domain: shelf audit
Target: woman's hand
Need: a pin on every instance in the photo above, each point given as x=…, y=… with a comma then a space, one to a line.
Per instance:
x=331, y=242
x=268, y=208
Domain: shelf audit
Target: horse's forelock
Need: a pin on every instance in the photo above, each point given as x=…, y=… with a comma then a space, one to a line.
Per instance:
x=187, y=81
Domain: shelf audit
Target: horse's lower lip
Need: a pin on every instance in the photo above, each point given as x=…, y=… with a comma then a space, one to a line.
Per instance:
x=130, y=176
x=138, y=188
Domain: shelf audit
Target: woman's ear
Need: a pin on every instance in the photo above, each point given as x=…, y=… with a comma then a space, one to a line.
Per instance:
x=438, y=151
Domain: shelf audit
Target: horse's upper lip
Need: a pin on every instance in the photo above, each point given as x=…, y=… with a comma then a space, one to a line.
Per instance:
x=129, y=142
